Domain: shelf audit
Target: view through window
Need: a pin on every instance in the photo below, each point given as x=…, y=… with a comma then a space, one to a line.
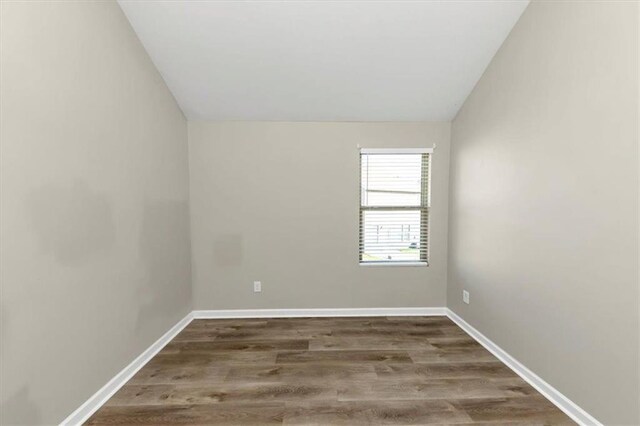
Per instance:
x=394, y=206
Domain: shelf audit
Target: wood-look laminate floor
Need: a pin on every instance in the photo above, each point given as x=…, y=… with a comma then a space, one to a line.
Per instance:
x=325, y=371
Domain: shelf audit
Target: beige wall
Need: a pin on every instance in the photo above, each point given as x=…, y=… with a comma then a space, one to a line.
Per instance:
x=94, y=208
x=278, y=202
x=544, y=202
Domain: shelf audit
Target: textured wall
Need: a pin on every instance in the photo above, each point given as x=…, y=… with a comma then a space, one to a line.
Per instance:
x=94, y=209
x=544, y=202
x=278, y=202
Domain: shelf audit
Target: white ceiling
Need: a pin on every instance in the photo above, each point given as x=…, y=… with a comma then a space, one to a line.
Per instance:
x=322, y=60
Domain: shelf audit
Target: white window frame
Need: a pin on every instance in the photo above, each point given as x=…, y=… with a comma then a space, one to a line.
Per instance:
x=425, y=207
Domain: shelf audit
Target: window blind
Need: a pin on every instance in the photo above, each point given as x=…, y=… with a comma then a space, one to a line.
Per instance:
x=394, y=206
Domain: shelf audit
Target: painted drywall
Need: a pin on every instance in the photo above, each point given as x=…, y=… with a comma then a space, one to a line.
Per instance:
x=278, y=203
x=544, y=202
x=94, y=210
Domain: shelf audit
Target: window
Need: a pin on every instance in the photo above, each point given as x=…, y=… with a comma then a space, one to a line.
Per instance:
x=394, y=206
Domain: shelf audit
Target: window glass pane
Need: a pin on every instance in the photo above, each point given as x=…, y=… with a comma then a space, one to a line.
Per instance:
x=391, y=179
x=391, y=235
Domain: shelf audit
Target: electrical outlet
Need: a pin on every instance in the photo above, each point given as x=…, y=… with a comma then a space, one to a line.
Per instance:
x=465, y=296
x=257, y=286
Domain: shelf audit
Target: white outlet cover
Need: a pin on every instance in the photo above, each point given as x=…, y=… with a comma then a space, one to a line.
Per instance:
x=465, y=296
x=257, y=286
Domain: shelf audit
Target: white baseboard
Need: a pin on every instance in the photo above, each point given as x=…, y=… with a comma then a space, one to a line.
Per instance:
x=562, y=402
x=338, y=312
x=96, y=401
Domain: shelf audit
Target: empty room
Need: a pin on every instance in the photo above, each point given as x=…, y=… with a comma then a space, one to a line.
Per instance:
x=319, y=212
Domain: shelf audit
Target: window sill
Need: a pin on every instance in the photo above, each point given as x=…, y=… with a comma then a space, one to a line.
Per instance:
x=385, y=264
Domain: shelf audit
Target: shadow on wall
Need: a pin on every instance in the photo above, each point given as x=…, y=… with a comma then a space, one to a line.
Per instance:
x=72, y=222
x=19, y=409
x=164, y=250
